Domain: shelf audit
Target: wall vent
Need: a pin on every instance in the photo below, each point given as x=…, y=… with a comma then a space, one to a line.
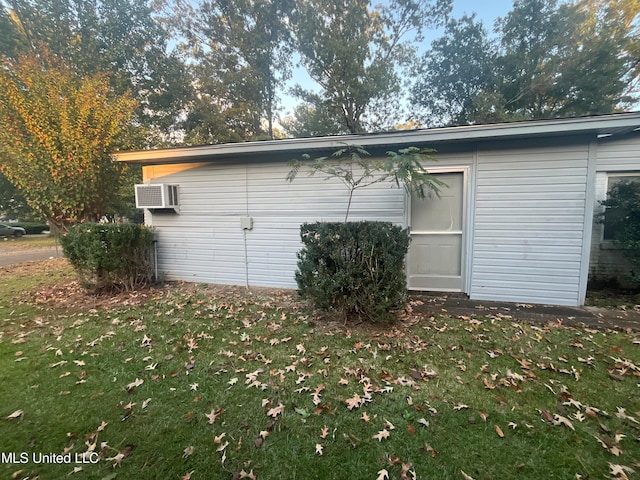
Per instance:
x=155, y=196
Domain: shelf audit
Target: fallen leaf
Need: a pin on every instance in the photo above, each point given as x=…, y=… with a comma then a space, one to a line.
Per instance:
x=319, y=449
x=429, y=449
x=354, y=402
x=325, y=432
x=560, y=420
x=136, y=383
x=465, y=476
x=188, y=451
x=381, y=435
x=275, y=411
x=15, y=415
x=499, y=431
x=382, y=475
x=213, y=415
x=250, y=475
x=620, y=471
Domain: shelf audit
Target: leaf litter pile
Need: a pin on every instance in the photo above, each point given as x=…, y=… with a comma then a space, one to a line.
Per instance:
x=205, y=382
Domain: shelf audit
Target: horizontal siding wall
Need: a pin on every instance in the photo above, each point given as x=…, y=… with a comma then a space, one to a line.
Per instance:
x=204, y=242
x=615, y=155
x=528, y=226
x=619, y=154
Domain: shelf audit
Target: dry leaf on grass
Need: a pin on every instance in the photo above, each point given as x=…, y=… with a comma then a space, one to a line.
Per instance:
x=275, y=411
x=15, y=415
x=381, y=435
x=382, y=475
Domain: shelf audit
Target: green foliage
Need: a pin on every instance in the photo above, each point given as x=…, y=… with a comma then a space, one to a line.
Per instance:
x=550, y=59
x=242, y=53
x=351, y=166
x=312, y=119
x=110, y=256
x=355, y=268
x=57, y=130
x=622, y=219
x=354, y=51
x=456, y=69
x=13, y=205
x=121, y=37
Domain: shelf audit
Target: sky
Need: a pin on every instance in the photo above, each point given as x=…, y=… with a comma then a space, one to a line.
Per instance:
x=487, y=11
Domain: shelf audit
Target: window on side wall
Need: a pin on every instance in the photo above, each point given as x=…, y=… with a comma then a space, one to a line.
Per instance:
x=614, y=216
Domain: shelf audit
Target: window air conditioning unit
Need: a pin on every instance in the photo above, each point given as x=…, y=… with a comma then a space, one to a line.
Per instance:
x=156, y=196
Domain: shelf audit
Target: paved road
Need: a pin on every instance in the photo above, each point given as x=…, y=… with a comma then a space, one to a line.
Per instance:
x=27, y=255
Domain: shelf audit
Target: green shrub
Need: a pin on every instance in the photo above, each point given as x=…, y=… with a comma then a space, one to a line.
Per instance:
x=622, y=222
x=110, y=256
x=354, y=268
x=32, y=228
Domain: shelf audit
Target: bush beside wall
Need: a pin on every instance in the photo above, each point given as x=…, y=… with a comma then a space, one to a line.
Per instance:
x=354, y=268
x=112, y=257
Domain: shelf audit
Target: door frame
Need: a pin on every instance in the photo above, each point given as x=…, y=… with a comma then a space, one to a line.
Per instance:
x=466, y=225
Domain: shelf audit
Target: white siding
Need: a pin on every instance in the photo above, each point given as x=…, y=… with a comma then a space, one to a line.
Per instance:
x=615, y=156
x=529, y=222
x=619, y=154
x=204, y=241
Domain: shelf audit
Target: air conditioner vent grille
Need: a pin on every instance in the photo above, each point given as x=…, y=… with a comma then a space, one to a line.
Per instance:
x=150, y=195
x=156, y=196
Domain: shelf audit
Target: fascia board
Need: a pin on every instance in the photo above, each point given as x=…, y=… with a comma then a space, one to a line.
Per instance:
x=469, y=133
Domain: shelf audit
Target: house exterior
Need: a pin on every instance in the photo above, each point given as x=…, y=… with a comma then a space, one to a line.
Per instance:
x=516, y=222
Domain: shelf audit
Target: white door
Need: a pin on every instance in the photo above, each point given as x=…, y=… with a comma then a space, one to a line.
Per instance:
x=435, y=260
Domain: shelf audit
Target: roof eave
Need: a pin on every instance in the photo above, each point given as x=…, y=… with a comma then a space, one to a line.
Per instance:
x=605, y=124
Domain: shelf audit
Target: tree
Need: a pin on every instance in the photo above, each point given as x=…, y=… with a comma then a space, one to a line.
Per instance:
x=552, y=60
x=555, y=64
x=312, y=120
x=354, y=52
x=121, y=37
x=12, y=202
x=57, y=130
x=355, y=170
x=456, y=69
x=620, y=18
x=241, y=52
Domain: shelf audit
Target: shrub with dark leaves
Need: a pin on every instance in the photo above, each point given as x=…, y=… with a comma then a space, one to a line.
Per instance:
x=354, y=268
x=110, y=256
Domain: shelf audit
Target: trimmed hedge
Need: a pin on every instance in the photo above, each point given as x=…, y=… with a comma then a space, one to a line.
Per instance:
x=354, y=268
x=110, y=256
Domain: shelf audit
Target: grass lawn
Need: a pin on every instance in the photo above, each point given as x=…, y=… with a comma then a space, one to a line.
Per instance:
x=34, y=241
x=199, y=382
